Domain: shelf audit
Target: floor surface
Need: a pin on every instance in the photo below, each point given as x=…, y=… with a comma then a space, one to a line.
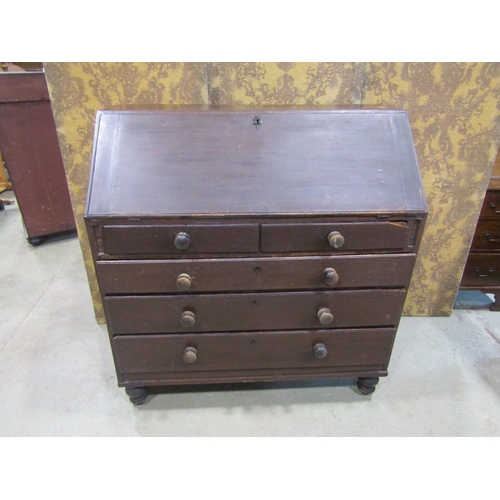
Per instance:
x=57, y=376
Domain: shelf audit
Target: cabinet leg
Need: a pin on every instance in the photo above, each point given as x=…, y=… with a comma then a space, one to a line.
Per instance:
x=137, y=395
x=366, y=386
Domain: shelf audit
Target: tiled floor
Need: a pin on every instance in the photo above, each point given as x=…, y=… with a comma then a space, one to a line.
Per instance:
x=57, y=377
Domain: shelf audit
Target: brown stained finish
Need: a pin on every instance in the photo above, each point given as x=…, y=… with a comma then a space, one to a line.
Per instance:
x=487, y=235
x=362, y=349
x=491, y=205
x=216, y=238
x=482, y=269
x=217, y=161
x=266, y=311
x=23, y=87
x=30, y=148
x=313, y=237
x=249, y=244
x=278, y=273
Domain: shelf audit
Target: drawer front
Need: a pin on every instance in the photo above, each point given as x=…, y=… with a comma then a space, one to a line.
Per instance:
x=159, y=240
x=487, y=235
x=482, y=270
x=314, y=237
x=250, y=351
x=251, y=312
x=176, y=276
x=491, y=205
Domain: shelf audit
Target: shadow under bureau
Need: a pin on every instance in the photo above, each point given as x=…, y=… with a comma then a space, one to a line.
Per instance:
x=253, y=244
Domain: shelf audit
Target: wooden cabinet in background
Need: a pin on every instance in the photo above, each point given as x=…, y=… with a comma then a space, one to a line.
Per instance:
x=30, y=149
x=482, y=270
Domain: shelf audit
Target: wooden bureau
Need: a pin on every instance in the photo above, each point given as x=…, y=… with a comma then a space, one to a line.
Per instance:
x=253, y=244
x=482, y=269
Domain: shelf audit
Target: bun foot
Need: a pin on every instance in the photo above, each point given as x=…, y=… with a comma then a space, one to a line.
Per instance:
x=366, y=386
x=137, y=395
x=35, y=241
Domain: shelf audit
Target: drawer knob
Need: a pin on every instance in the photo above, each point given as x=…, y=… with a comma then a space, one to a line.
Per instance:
x=493, y=206
x=330, y=276
x=188, y=319
x=325, y=316
x=190, y=354
x=183, y=282
x=320, y=351
x=335, y=239
x=182, y=241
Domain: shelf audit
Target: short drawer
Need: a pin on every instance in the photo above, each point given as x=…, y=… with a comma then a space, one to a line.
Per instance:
x=285, y=273
x=180, y=239
x=491, y=205
x=346, y=237
x=482, y=270
x=487, y=235
x=357, y=349
x=253, y=311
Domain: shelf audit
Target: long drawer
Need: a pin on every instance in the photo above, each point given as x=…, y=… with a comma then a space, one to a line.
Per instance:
x=363, y=348
x=482, y=269
x=187, y=275
x=253, y=311
x=491, y=205
x=487, y=235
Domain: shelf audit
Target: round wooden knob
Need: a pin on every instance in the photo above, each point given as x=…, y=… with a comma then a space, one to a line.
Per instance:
x=325, y=316
x=330, y=276
x=188, y=319
x=320, y=351
x=190, y=354
x=335, y=239
x=182, y=241
x=183, y=282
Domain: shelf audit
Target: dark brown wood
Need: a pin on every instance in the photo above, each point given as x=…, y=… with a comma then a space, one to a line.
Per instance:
x=482, y=269
x=30, y=148
x=487, y=235
x=491, y=205
x=217, y=238
x=314, y=237
x=23, y=87
x=364, y=349
x=208, y=161
x=253, y=311
x=291, y=273
x=260, y=375
x=227, y=241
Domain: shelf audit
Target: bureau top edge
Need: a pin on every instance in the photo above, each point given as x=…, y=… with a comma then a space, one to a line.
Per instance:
x=252, y=161
x=224, y=108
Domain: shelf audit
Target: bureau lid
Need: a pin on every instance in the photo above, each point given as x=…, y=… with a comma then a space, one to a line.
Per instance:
x=286, y=160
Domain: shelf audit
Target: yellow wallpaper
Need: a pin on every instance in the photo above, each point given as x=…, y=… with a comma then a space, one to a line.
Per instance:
x=454, y=115
x=285, y=83
x=78, y=90
x=453, y=109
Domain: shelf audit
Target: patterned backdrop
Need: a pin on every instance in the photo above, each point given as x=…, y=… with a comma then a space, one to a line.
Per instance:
x=453, y=108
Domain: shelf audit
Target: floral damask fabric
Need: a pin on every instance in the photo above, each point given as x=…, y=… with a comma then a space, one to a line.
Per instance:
x=453, y=109
x=455, y=119
x=78, y=90
x=285, y=83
